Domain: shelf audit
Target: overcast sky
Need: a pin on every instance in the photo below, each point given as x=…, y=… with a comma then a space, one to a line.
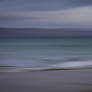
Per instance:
x=46, y=13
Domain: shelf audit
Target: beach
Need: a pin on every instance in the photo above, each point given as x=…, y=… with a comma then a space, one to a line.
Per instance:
x=45, y=45
x=46, y=65
x=47, y=81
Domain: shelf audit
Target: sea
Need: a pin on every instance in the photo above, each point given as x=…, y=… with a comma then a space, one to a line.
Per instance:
x=46, y=52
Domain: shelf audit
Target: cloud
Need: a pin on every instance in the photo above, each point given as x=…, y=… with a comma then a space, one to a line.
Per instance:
x=41, y=5
x=46, y=13
x=76, y=17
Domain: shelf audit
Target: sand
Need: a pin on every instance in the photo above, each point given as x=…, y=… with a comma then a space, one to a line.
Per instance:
x=47, y=81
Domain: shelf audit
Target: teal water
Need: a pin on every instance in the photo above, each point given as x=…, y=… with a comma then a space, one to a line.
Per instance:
x=46, y=52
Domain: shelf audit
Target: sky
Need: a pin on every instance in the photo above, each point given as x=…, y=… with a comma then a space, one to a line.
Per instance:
x=46, y=13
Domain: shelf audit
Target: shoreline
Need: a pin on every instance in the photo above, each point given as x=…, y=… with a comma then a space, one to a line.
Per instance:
x=19, y=69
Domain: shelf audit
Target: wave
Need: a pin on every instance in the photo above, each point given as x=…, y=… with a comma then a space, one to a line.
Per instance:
x=71, y=64
x=64, y=66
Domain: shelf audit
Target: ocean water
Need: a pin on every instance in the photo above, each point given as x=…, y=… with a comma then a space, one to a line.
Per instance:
x=35, y=53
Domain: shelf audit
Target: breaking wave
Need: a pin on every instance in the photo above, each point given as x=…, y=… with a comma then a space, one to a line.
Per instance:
x=68, y=64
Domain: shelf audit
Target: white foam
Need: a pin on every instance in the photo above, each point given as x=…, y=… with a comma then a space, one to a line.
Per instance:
x=73, y=64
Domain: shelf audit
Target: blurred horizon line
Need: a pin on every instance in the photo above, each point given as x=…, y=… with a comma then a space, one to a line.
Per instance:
x=42, y=32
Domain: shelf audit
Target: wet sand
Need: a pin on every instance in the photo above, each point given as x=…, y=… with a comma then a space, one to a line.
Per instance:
x=47, y=81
